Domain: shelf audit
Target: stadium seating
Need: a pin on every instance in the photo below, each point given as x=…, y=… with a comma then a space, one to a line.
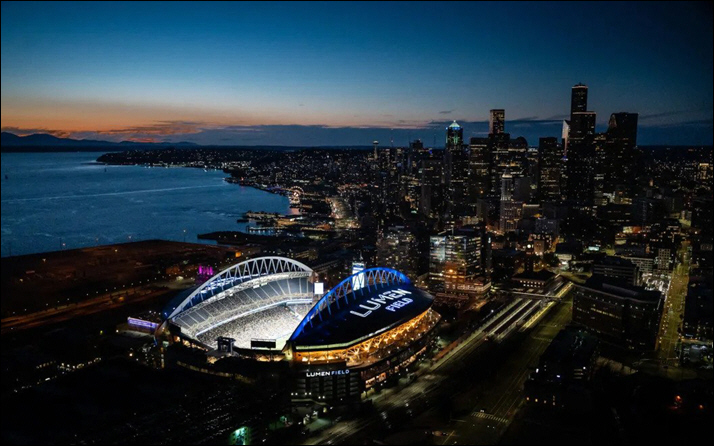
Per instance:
x=276, y=323
x=261, y=311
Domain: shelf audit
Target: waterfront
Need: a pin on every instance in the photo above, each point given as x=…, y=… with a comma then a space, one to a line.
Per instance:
x=53, y=201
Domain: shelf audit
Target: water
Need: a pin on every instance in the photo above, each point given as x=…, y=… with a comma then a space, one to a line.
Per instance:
x=53, y=201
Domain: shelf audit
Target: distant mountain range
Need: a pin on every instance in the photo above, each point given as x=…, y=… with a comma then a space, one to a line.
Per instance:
x=9, y=142
x=43, y=142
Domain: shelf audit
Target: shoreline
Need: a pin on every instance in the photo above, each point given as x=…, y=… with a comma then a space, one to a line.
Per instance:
x=229, y=179
x=34, y=238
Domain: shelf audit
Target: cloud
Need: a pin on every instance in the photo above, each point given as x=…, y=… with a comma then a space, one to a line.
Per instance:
x=446, y=112
x=159, y=128
x=558, y=117
x=661, y=115
x=690, y=123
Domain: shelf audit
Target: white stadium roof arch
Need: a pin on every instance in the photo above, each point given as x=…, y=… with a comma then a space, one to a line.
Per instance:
x=242, y=276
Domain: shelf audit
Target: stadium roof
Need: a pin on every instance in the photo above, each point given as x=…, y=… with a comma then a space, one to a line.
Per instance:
x=361, y=306
x=238, y=276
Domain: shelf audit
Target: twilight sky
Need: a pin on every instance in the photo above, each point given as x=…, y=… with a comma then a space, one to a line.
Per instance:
x=346, y=74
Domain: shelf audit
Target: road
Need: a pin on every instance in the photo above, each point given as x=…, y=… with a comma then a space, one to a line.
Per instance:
x=673, y=314
x=93, y=305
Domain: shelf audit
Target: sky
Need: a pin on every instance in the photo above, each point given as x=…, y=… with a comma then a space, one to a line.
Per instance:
x=305, y=74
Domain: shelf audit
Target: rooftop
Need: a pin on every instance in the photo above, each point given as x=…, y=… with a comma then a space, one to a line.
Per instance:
x=543, y=275
x=366, y=316
x=621, y=288
x=571, y=346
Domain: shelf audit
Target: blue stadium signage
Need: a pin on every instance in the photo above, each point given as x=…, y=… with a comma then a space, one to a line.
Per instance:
x=391, y=301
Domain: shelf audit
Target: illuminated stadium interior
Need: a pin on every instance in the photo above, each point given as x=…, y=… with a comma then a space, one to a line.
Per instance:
x=263, y=298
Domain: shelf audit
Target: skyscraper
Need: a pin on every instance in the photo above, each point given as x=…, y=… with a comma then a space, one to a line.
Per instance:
x=578, y=99
x=581, y=121
x=454, y=135
x=582, y=125
x=431, y=189
x=616, y=160
x=510, y=212
x=499, y=142
x=496, y=121
x=479, y=169
x=579, y=148
x=506, y=187
x=623, y=126
x=397, y=248
x=456, y=173
x=517, y=153
x=455, y=257
x=620, y=156
x=550, y=166
x=454, y=143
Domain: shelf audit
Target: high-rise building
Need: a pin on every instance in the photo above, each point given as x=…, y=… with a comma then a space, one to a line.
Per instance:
x=618, y=312
x=500, y=160
x=550, y=168
x=498, y=141
x=456, y=170
x=455, y=257
x=416, y=149
x=623, y=126
x=454, y=145
x=496, y=121
x=620, y=156
x=397, y=249
x=510, y=211
x=619, y=268
x=517, y=156
x=522, y=189
x=579, y=149
x=600, y=170
x=582, y=122
x=582, y=125
x=565, y=132
x=479, y=169
x=357, y=267
x=532, y=164
x=506, y=187
x=454, y=136
x=578, y=99
x=430, y=176
x=565, y=367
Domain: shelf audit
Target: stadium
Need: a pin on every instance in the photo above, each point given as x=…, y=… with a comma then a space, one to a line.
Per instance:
x=371, y=326
x=258, y=302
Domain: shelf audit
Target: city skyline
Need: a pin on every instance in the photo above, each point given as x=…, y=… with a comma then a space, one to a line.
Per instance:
x=357, y=223
x=299, y=75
